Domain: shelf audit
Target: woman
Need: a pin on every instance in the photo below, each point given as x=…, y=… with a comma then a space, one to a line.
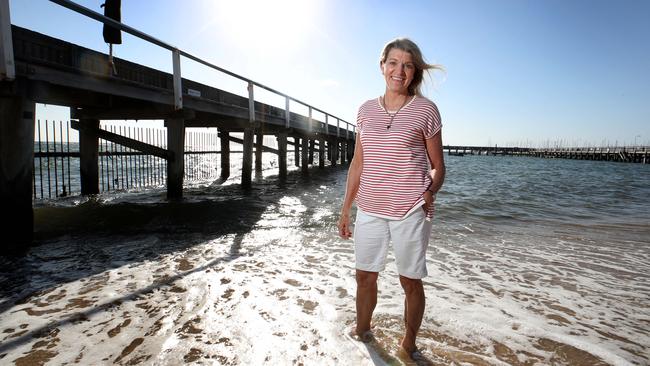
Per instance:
x=397, y=169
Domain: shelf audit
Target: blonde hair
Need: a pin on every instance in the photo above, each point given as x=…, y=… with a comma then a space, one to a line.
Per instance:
x=420, y=64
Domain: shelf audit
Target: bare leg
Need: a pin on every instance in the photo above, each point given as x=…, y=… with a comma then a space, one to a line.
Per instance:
x=413, y=311
x=366, y=299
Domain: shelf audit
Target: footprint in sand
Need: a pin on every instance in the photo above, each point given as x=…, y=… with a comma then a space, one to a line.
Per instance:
x=280, y=294
x=56, y=297
x=189, y=328
x=228, y=294
x=183, y=265
x=115, y=331
x=193, y=355
x=41, y=351
x=157, y=325
x=308, y=306
x=266, y=316
x=128, y=349
x=292, y=282
x=177, y=289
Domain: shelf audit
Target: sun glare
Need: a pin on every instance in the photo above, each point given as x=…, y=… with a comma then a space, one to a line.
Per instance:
x=265, y=25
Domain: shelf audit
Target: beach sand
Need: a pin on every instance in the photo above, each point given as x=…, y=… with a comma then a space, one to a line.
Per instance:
x=262, y=278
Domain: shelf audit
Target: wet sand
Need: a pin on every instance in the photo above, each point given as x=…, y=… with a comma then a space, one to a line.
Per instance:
x=262, y=278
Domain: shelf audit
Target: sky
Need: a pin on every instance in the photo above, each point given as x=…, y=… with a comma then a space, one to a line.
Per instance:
x=517, y=72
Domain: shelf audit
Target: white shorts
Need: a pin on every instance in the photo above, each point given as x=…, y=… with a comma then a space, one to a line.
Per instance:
x=410, y=237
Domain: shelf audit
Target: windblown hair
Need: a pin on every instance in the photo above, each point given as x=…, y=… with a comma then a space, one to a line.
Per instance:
x=421, y=65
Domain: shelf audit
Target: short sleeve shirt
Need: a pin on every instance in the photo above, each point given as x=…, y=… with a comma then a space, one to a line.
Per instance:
x=396, y=167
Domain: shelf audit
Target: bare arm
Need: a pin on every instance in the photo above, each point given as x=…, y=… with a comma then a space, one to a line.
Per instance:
x=351, y=188
x=437, y=161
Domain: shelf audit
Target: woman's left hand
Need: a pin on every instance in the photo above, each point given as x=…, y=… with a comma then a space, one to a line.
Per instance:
x=429, y=197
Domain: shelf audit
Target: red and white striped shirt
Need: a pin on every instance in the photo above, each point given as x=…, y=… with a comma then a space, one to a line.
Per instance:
x=396, y=167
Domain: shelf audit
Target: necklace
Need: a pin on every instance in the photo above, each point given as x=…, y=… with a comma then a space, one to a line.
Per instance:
x=392, y=115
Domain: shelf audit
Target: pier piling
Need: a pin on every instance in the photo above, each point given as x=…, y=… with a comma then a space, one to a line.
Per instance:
x=224, y=142
x=259, y=146
x=321, y=153
x=247, y=159
x=312, y=147
x=16, y=170
x=282, y=155
x=175, y=165
x=89, y=156
x=304, y=156
x=296, y=151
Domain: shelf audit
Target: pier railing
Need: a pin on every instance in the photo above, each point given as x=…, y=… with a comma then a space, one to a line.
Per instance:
x=56, y=160
x=349, y=128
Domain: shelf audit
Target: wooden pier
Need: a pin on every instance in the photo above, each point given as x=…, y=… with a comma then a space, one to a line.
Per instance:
x=460, y=150
x=41, y=69
x=629, y=154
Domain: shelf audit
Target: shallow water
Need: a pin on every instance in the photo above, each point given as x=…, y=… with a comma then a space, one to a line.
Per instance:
x=532, y=262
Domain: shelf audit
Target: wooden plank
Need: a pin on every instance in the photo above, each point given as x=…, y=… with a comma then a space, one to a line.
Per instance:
x=129, y=110
x=128, y=142
x=240, y=141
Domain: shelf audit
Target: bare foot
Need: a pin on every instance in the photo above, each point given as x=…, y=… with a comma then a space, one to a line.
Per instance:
x=365, y=337
x=413, y=358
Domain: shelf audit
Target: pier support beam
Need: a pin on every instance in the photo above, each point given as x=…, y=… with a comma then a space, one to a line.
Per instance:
x=329, y=151
x=312, y=147
x=175, y=166
x=224, y=144
x=296, y=150
x=89, y=156
x=349, y=151
x=247, y=159
x=321, y=154
x=16, y=169
x=305, y=155
x=282, y=155
x=335, y=152
x=259, y=146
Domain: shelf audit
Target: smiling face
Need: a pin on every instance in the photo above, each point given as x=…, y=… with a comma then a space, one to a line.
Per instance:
x=398, y=70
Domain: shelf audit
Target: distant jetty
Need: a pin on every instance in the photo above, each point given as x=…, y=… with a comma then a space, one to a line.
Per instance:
x=625, y=154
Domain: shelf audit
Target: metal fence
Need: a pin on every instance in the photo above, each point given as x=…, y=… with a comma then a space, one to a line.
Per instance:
x=56, y=159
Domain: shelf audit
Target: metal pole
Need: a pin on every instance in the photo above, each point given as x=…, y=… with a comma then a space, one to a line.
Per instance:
x=178, y=90
x=287, y=113
x=7, y=66
x=251, y=103
x=310, y=120
x=338, y=126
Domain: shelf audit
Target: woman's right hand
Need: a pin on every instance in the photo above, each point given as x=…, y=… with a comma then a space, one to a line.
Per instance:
x=344, y=226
